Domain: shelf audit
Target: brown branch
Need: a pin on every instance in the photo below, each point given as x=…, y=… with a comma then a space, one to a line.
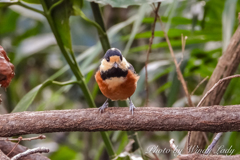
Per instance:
x=212, y=119
x=202, y=100
x=6, y=147
x=214, y=142
x=19, y=139
x=31, y=151
x=150, y=49
x=199, y=85
x=215, y=86
x=206, y=157
x=227, y=65
x=3, y=156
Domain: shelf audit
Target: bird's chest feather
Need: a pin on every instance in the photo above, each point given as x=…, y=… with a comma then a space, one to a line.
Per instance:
x=118, y=88
x=115, y=82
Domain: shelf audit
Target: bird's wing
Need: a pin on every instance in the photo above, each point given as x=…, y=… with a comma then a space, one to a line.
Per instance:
x=131, y=68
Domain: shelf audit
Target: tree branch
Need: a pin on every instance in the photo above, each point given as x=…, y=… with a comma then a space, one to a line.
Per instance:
x=227, y=65
x=3, y=156
x=221, y=81
x=212, y=119
x=23, y=139
x=150, y=50
x=214, y=142
x=7, y=146
x=31, y=151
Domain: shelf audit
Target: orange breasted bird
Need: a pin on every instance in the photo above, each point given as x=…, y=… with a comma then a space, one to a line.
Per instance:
x=116, y=78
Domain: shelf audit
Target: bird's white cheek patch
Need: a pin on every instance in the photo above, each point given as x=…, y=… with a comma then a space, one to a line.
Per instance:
x=124, y=64
x=105, y=65
x=114, y=82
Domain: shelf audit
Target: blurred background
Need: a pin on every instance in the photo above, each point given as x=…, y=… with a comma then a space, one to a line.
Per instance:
x=28, y=40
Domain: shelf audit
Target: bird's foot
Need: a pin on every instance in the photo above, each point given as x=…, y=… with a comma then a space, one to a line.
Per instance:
x=131, y=107
x=101, y=109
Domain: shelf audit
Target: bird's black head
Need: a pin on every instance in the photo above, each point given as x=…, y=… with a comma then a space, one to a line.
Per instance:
x=113, y=64
x=112, y=52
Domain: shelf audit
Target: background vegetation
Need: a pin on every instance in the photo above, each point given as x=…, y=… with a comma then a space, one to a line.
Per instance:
x=41, y=50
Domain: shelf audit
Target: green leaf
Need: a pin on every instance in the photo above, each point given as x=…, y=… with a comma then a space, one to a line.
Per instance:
x=78, y=11
x=78, y=3
x=171, y=33
x=32, y=1
x=175, y=84
x=60, y=15
x=6, y=3
x=124, y=3
x=28, y=33
x=8, y=21
x=163, y=87
x=175, y=20
x=228, y=20
x=202, y=62
x=233, y=142
x=173, y=6
x=97, y=155
x=63, y=153
x=176, y=33
x=178, y=43
x=29, y=97
x=141, y=13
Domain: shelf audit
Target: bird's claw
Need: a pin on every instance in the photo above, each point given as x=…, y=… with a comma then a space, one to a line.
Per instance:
x=101, y=109
x=131, y=107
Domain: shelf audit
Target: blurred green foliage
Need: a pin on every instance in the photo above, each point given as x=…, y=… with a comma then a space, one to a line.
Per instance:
x=32, y=47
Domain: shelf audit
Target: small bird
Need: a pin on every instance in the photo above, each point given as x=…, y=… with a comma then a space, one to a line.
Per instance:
x=116, y=78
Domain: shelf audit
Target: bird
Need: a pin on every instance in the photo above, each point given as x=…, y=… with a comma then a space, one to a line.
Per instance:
x=116, y=78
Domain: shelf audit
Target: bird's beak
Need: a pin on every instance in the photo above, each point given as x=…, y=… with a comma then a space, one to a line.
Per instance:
x=115, y=65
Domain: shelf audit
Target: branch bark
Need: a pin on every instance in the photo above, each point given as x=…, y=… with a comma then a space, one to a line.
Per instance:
x=206, y=157
x=7, y=146
x=3, y=156
x=30, y=151
x=227, y=65
x=211, y=119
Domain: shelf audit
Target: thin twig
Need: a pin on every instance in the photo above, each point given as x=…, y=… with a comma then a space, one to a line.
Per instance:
x=183, y=48
x=188, y=140
x=206, y=138
x=150, y=49
x=189, y=137
x=174, y=147
x=215, y=85
x=31, y=151
x=23, y=139
x=199, y=85
x=179, y=73
x=23, y=5
x=155, y=156
x=19, y=139
x=214, y=142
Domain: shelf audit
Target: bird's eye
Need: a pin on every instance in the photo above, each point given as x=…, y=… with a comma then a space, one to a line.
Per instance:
x=121, y=58
x=108, y=59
